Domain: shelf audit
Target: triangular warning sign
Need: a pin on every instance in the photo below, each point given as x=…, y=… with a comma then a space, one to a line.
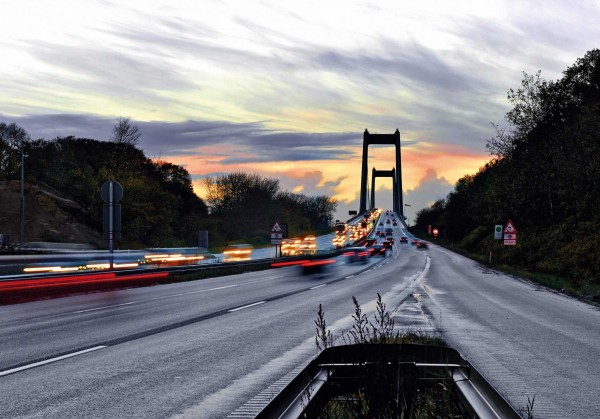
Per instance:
x=277, y=228
x=510, y=228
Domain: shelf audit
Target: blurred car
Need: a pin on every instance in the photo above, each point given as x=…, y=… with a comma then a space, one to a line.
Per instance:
x=317, y=266
x=370, y=242
x=422, y=245
x=237, y=253
x=403, y=239
x=379, y=249
x=414, y=241
x=387, y=244
x=356, y=254
x=394, y=223
x=389, y=232
x=391, y=239
x=387, y=221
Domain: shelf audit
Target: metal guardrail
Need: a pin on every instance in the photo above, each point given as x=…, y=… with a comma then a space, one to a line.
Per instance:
x=418, y=365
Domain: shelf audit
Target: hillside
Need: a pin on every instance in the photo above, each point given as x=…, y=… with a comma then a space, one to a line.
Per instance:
x=49, y=216
x=545, y=178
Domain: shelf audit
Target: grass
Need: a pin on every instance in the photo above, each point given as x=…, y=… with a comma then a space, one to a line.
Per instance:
x=380, y=391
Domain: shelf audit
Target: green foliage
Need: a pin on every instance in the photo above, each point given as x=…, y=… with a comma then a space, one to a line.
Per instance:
x=545, y=177
x=12, y=137
x=159, y=207
x=382, y=390
x=247, y=205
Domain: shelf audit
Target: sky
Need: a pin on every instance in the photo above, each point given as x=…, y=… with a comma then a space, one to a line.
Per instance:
x=286, y=89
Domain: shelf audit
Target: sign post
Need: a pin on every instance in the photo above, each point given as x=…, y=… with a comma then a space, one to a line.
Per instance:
x=111, y=193
x=277, y=236
x=510, y=234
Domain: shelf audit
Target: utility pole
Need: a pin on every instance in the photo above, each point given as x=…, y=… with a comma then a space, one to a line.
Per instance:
x=22, y=229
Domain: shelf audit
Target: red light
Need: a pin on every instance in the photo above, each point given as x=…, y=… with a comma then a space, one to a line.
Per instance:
x=319, y=262
x=289, y=263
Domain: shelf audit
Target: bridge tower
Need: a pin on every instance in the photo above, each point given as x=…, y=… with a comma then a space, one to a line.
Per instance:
x=391, y=139
x=384, y=173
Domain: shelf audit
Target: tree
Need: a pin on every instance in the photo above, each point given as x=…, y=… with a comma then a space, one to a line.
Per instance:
x=126, y=132
x=12, y=137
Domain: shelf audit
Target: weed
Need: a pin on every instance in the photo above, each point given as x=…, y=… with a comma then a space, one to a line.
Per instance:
x=381, y=390
x=323, y=339
x=527, y=411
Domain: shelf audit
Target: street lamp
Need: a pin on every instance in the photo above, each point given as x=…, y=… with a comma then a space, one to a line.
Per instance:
x=405, y=217
x=22, y=230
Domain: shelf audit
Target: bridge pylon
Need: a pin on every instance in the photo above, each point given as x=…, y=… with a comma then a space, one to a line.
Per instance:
x=391, y=139
x=384, y=173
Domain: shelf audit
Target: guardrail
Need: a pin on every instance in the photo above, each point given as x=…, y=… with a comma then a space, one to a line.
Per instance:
x=18, y=288
x=394, y=370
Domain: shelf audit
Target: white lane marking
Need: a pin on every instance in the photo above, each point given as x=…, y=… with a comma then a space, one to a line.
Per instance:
x=349, y=276
x=318, y=286
x=223, y=287
x=249, y=305
x=172, y=295
x=102, y=308
x=48, y=361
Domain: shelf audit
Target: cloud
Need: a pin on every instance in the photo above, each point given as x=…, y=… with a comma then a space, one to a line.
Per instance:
x=254, y=143
x=429, y=189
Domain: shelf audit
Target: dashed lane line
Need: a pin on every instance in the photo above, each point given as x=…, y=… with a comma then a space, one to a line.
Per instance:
x=48, y=361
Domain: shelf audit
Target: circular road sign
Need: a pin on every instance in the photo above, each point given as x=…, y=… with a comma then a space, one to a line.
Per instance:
x=117, y=191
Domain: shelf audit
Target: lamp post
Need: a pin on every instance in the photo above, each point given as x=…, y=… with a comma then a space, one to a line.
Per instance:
x=22, y=230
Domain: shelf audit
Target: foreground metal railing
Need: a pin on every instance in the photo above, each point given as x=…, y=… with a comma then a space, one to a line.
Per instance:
x=397, y=371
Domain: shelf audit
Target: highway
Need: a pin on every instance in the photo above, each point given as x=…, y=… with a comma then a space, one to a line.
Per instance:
x=208, y=348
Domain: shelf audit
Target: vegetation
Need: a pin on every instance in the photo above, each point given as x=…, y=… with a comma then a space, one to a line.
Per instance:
x=245, y=206
x=381, y=391
x=545, y=177
x=159, y=206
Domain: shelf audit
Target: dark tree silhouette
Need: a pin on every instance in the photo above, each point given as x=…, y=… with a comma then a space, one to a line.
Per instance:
x=126, y=132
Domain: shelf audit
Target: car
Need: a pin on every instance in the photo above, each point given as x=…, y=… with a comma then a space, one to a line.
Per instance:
x=422, y=245
x=395, y=224
x=387, y=221
x=403, y=239
x=387, y=244
x=414, y=241
x=237, y=253
x=379, y=249
x=391, y=239
x=356, y=254
x=370, y=242
x=389, y=232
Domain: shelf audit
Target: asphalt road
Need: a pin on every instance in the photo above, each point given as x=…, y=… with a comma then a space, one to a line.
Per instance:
x=208, y=348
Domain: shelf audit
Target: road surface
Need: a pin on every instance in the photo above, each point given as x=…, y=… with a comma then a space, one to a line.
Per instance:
x=210, y=348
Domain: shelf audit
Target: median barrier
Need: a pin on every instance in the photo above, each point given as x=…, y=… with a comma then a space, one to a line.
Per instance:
x=393, y=380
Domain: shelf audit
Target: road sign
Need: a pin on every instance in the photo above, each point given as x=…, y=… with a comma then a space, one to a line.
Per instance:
x=276, y=238
x=277, y=228
x=510, y=228
x=277, y=233
x=116, y=222
x=498, y=232
x=117, y=192
x=510, y=234
x=111, y=193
